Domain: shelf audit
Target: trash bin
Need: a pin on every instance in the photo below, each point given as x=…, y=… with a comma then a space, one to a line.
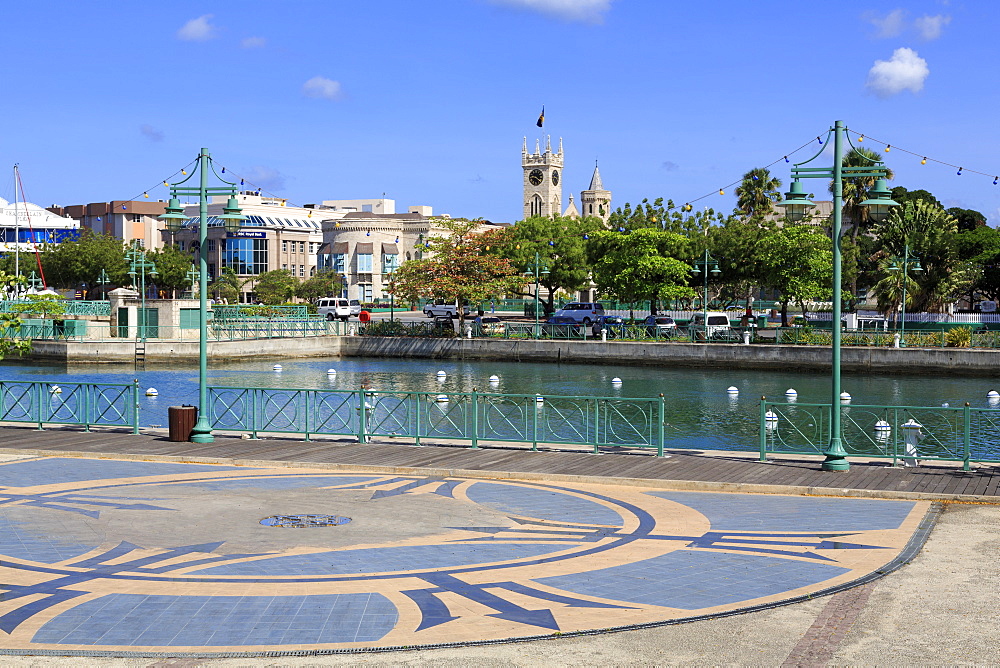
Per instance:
x=181, y=421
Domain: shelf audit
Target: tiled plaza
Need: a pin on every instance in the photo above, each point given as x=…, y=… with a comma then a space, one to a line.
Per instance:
x=115, y=556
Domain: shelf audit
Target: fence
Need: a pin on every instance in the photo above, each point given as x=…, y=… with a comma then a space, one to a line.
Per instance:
x=85, y=404
x=961, y=434
x=463, y=416
x=67, y=307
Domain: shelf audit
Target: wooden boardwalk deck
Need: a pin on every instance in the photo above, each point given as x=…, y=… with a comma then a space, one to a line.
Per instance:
x=682, y=469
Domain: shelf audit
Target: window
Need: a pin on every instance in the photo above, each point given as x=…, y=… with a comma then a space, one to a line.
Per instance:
x=135, y=217
x=284, y=267
x=390, y=263
x=246, y=256
x=339, y=262
x=302, y=271
x=180, y=245
x=364, y=263
x=302, y=247
x=284, y=246
x=365, y=292
x=211, y=245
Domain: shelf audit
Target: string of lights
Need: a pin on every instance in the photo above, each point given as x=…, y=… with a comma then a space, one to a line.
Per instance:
x=924, y=159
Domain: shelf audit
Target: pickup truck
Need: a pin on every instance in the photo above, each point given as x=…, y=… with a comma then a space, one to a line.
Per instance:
x=439, y=308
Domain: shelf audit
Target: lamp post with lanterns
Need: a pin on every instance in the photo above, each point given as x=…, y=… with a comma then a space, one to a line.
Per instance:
x=701, y=267
x=905, y=263
x=796, y=203
x=538, y=269
x=231, y=219
x=140, y=267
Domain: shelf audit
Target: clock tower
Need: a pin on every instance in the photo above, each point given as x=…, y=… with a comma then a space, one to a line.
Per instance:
x=542, y=179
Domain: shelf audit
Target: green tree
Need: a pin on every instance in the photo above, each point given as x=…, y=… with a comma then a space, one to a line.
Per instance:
x=902, y=196
x=172, y=267
x=644, y=264
x=10, y=285
x=931, y=236
x=756, y=195
x=77, y=261
x=797, y=260
x=463, y=266
x=981, y=247
x=228, y=286
x=736, y=245
x=968, y=219
x=561, y=245
x=323, y=284
x=276, y=287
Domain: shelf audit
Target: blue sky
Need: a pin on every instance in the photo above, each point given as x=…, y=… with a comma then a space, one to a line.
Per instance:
x=428, y=101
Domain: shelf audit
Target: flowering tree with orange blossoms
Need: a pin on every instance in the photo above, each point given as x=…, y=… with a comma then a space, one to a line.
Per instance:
x=462, y=267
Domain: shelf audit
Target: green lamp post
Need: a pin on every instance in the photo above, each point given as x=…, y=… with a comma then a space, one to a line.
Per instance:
x=231, y=219
x=906, y=262
x=139, y=268
x=538, y=269
x=103, y=281
x=796, y=203
x=701, y=267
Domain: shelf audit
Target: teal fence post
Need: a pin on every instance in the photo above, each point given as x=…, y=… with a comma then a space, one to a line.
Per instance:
x=763, y=429
x=415, y=397
x=38, y=402
x=597, y=426
x=87, y=389
x=308, y=412
x=135, y=406
x=362, y=437
x=257, y=409
x=534, y=425
x=475, y=419
x=966, y=435
x=662, y=415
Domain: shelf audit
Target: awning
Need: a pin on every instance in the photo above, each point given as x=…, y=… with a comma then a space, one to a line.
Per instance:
x=340, y=248
x=365, y=248
x=389, y=249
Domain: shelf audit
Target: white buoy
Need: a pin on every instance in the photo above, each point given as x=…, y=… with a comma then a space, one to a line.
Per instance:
x=152, y=392
x=770, y=419
x=276, y=367
x=993, y=394
x=732, y=389
x=845, y=396
x=55, y=389
x=790, y=392
x=331, y=372
x=616, y=381
x=944, y=405
x=882, y=425
x=539, y=398
x=441, y=375
x=442, y=398
x=494, y=380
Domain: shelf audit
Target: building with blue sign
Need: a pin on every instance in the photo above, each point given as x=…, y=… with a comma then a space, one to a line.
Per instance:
x=25, y=226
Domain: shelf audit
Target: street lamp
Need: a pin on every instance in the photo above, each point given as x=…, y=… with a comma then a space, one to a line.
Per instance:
x=538, y=269
x=192, y=276
x=796, y=204
x=906, y=261
x=103, y=281
x=701, y=267
x=138, y=268
x=231, y=220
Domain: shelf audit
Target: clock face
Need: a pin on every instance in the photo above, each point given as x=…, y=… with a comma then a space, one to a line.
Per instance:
x=535, y=177
x=555, y=177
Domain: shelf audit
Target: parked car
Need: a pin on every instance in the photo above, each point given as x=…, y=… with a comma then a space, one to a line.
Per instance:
x=560, y=326
x=585, y=312
x=355, y=307
x=334, y=308
x=613, y=324
x=489, y=325
x=716, y=328
x=660, y=325
x=432, y=309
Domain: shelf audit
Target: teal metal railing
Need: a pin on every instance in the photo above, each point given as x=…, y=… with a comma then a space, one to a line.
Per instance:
x=961, y=434
x=472, y=417
x=86, y=404
x=236, y=312
x=69, y=307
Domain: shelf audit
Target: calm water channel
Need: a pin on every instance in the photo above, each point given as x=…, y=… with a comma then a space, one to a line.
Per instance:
x=700, y=413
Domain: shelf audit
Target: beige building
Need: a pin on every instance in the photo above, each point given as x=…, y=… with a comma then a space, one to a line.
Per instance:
x=543, y=186
x=133, y=221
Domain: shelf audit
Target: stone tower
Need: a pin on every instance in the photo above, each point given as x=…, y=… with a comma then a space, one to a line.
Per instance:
x=542, y=179
x=595, y=200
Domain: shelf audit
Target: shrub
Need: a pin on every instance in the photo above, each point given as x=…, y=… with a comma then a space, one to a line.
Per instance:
x=959, y=337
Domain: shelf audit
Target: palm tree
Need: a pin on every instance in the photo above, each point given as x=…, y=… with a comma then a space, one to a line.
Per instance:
x=758, y=193
x=228, y=285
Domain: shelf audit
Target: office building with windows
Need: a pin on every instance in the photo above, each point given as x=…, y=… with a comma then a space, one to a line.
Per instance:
x=133, y=221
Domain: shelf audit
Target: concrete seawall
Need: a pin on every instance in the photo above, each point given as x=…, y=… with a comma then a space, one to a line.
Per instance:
x=733, y=356
x=165, y=352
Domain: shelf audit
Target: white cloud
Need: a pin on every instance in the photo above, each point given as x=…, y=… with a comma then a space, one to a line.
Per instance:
x=150, y=133
x=322, y=88
x=930, y=27
x=197, y=30
x=586, y=11
x=890, y=25
x=268, y=178
x=904, y=71
x=253, y=42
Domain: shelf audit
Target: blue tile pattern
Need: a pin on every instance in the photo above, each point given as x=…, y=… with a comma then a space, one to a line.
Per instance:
x=23, y=536
x=174, y=621
x=543, y=504
x=67, y=469
x=691, y=580
x=760, y=512
x=384, y=559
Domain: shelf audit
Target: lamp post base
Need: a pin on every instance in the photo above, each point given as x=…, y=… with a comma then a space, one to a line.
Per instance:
x=202, y=431
x=836, y=457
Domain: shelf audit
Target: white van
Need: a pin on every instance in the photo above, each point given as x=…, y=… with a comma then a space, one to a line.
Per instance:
x=718, y=324
x=582, y=312
x=437, y=308
x=333, y=308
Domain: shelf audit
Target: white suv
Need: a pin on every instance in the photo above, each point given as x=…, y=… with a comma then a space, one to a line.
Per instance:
x=333, y=308
x=584, y=312
x=355, y=307
x=441, y=308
